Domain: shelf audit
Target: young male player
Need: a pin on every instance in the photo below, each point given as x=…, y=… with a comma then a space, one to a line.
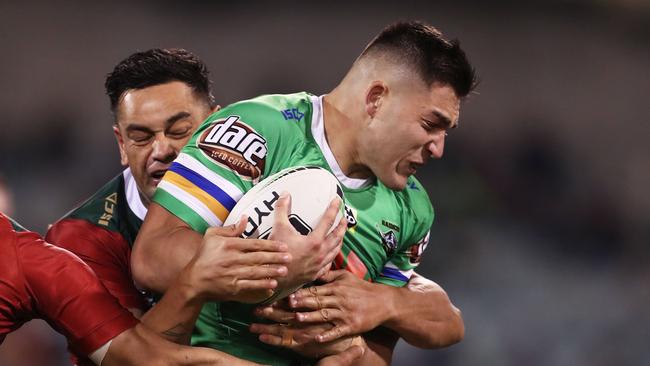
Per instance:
x=386, y=119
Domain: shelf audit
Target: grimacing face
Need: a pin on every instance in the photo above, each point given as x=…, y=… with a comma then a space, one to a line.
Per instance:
x=152, y=125
x=407, y=127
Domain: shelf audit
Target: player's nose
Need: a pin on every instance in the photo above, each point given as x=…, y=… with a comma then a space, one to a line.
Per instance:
x=436, y=146
x=163, y=150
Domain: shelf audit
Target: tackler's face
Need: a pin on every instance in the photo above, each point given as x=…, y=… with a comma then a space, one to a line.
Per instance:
x=407, y=128
x=152, y=126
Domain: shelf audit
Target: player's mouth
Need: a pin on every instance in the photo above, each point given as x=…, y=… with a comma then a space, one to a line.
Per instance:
x=413, y=168
x=156, y=175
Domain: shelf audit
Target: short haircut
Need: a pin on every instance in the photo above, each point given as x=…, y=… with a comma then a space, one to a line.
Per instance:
x=158, y=66
x=423, y=48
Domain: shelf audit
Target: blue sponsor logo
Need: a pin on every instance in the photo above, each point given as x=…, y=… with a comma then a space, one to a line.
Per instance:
x=292, y=113
x=412, y=185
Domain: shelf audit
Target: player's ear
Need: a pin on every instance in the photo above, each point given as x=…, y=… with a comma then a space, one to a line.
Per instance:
x=124, y=160
x=374, y=97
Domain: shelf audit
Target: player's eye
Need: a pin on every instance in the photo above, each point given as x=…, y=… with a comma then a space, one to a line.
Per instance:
x=140, y=138
x=428, y=125
x=179, y=132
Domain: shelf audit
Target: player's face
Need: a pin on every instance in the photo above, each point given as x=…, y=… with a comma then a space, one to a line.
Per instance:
x=408, y=129
x=153, y=124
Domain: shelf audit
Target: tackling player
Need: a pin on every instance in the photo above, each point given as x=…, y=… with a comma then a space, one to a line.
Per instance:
x=386, y=119
x=158, y=98
x=39, y=280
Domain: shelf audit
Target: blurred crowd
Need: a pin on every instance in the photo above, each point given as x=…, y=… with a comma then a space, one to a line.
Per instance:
x=542, y=227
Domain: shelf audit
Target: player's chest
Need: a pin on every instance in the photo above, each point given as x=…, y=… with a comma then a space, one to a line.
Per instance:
x=375, y=230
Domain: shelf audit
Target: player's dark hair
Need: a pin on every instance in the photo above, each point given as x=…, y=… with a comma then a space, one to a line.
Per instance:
x=432, y=57
x=158, y=66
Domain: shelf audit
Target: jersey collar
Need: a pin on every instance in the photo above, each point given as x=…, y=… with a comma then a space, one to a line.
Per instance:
x=133, y=195
x=318, y=131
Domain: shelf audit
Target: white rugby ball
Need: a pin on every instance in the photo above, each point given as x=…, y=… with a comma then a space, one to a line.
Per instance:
x=312, y=189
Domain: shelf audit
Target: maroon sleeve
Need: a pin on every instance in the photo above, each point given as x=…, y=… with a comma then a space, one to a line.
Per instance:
x=105, y=251
x=15, y=304
x=69, y=296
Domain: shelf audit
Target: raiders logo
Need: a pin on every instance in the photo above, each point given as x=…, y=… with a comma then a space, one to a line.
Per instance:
x=233, y=144
x=389, y=240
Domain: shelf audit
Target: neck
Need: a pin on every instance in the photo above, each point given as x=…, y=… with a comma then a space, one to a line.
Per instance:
x=145, y=200
x=342, y=132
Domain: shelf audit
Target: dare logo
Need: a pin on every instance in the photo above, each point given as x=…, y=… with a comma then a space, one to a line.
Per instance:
x=232, y=143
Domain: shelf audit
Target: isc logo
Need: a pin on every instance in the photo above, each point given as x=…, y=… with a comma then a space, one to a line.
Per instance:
x=236, y=145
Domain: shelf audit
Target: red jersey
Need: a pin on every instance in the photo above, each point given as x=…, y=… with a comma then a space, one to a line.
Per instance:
x=101, y=232
x=39, y=280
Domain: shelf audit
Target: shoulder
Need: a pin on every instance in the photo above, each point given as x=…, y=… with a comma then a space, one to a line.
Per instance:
x=417, y=210
x=415, y=197
x=267, y=114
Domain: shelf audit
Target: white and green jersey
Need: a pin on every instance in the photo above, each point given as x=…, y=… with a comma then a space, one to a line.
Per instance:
x=242, y=144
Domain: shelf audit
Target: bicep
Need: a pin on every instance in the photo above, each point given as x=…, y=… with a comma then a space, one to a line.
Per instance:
x=165, y=244
x=70, y=297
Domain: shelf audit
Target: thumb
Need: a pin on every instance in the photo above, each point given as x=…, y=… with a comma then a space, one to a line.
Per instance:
x=333, y=275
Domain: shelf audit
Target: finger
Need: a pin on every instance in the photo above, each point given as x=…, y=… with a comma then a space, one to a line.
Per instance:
x=282, y=209
x=269, y=329
x=324, y=270
x=336, y=236
x=257, y=272
x=260, y=258
x=316, y=303
x=310, y=292
x=344, y=358
x=270, y=339
x=319, y=316
x=230, y=231
x=332, y=245
x=333, y=275
x=328, y=218
x=258, y=245
x=276, y=314
x=334, y=333
x=261, y=284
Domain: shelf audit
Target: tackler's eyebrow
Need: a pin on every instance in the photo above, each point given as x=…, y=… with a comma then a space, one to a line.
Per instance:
x=180, y=115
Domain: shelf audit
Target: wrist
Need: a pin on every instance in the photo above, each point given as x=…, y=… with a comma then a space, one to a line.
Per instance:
x=186, y=286
x=390, y=300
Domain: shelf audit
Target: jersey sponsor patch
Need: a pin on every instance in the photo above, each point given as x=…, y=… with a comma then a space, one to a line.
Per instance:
x=235, y=145
x=415, y=251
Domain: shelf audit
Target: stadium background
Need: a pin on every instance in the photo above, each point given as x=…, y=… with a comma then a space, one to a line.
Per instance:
x=543, y=213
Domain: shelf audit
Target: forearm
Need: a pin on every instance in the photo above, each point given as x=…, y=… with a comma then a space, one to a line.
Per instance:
x=174, y=315
x=422, y=314
x=140, y=346
x=379, y=345
x=163, y=247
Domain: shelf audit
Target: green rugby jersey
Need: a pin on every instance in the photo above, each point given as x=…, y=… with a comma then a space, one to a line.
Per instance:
x=242, y=144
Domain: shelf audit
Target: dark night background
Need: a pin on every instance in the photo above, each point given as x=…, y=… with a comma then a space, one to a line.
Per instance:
x=542, y=227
